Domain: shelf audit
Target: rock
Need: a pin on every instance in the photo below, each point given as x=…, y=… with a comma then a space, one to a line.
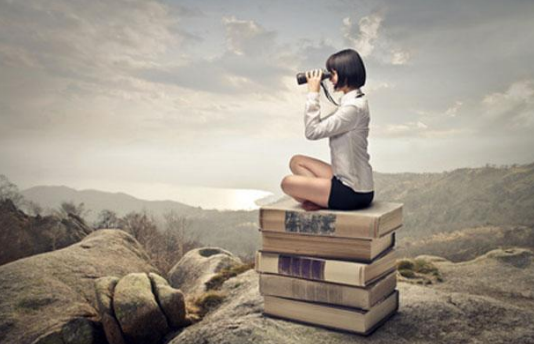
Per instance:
x=104, y=290
x=517, y=257
x=427, y=314
x=507, y=275
x=76, y=331
x=136, y=310
x=466, y=243
x=432, y=259
x=171, y=301
x=43, y=293
x=82, y=331
x=24, y=236
x=198, y=266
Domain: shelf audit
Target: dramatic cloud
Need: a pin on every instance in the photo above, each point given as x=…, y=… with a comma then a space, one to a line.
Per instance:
x=253, y=62
x=364, y=36
x=64, y=62
x=368, y=35
x=184, y=92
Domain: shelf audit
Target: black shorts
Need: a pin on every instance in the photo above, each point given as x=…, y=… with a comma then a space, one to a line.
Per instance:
x=343, y=197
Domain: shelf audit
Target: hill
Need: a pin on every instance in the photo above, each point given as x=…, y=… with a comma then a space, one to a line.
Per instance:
x=462, y=198
x=233, y=230
x=434, y=203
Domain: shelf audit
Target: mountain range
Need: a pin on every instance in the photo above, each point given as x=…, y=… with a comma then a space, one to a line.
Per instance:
x=434, y=204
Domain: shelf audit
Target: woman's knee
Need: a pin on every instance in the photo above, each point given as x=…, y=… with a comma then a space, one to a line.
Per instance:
x=285, y=183
x=295, y=160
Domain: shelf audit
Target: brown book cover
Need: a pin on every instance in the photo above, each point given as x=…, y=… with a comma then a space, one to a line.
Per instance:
x=327, y=270
x=331, y=293
x=353, y=320
x=363, y=250
x=287, y=215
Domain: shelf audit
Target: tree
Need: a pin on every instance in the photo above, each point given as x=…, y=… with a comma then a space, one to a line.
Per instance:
x=107, y=219
x=68, y=207
x=33, y=208
x=178, y=232
x=140, y=225
x=10, y=191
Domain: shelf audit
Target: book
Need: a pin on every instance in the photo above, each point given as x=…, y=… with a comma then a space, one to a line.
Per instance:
x=364, y=250
x=327, y=270
x=331, y=293
x=335, y=317
x=287, y=215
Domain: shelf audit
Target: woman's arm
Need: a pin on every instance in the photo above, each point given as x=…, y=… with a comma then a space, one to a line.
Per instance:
x=344, y=119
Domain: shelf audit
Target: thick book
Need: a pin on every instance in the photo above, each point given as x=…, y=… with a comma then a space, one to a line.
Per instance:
x=287, y=215
x=336, y=317
x=324, y=292
x=363, y=250
x=327, y=270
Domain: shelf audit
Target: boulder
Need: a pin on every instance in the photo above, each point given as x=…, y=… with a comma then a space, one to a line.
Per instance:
x=505, y=274
x=49, y=296
x=22, y=235
x=198, y=266
x=104, y=290
x=171, y=301
x=137, y=311
x=428, y=314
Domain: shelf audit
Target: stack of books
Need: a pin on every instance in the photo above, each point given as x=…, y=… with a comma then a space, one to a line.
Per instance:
x=330, y=268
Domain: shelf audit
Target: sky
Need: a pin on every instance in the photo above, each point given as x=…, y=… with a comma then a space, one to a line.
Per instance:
x=160, y=96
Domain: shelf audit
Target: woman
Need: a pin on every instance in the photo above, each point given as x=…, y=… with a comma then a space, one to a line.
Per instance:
x=346, y=184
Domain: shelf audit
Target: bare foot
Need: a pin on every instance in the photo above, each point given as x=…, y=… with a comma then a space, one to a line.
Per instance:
x=310, y=206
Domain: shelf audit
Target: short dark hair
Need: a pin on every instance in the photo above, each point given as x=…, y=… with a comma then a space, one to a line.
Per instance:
x=349, y=67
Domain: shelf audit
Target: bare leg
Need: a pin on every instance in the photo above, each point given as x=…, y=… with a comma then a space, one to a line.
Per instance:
x=314, y=190
x=302, y=165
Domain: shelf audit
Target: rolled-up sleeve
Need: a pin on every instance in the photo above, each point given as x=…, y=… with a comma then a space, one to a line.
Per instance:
x=344, y=119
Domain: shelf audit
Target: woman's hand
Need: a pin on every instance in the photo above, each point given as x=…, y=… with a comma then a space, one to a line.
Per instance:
x=314, y=79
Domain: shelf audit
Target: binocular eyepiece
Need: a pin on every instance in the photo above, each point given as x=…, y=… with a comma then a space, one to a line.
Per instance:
x=301, y=77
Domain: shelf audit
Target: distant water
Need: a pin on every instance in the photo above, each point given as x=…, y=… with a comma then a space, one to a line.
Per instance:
x=196, y=196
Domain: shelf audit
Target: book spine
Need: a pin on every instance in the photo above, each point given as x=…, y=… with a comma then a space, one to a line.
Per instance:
x=318, y=224
x=323, y=247
x=325, y=292
x=313, y=269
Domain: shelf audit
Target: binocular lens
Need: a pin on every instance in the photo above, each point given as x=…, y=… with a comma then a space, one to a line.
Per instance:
x=301, y=77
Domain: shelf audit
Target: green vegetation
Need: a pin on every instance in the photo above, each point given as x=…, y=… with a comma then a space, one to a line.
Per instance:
x=462, y=198
x=217, y=281
x=434, y=204
x=418, y=271
x=469, y=243
x=199, y=306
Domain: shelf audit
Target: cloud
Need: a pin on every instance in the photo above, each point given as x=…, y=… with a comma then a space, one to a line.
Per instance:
x=53, y=51
x=364, y=36
x=246, y=37
x=370, y=39
x=77, y=40
x=374, y=86
x=509, y=113
x=253, y=62
x=415, y=129
x=70, y=67
x=400, y=57
x=511, y=110
x=453, y=110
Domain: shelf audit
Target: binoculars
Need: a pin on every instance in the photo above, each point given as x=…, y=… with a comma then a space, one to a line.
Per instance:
x=301, y=77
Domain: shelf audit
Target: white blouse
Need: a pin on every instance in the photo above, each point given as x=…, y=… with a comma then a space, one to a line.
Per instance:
x=347, y=128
